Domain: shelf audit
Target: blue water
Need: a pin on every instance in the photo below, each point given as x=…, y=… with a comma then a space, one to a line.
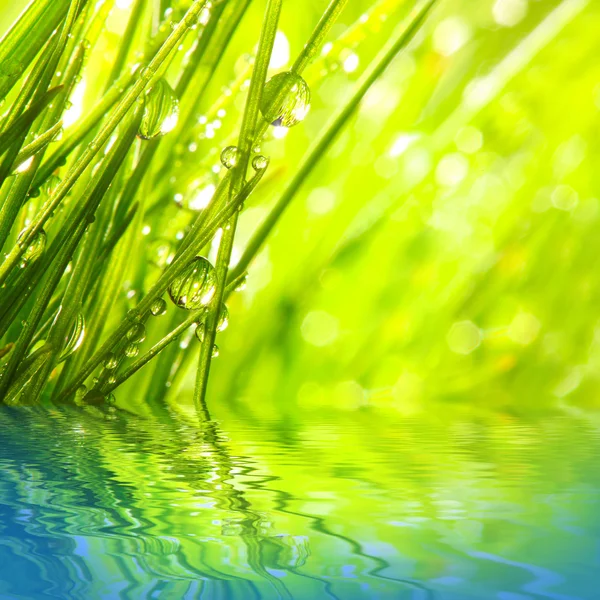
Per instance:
x=361, y=506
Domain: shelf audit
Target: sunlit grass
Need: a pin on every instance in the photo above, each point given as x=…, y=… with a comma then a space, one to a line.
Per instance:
x=426, y=232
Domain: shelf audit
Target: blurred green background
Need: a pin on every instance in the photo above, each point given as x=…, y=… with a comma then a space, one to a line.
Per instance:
x=446, y=249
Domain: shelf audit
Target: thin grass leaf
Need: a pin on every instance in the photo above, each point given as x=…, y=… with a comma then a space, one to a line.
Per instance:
x=22, y=42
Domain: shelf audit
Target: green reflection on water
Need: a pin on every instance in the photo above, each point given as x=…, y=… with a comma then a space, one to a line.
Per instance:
x=347, y=507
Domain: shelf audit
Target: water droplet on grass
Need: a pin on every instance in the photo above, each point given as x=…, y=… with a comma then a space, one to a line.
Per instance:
x=35, y=249
x=195, y=286
x=161, y=111
x=111, y=362
x=132, y=350
x=230, y=157
x=241, y=286
x=260, y=162
x=295, y=104
x=74, y=338
x=223, y=319
x=136, y=333
x=158, y=307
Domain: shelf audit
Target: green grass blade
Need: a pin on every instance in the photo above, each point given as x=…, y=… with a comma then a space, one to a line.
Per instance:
x=24, y=40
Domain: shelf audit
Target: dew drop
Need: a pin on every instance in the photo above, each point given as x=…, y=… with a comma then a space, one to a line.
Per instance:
x=200, y=332
x=136, y=333
x=215, y=351
x=35, y=249
x=51, y=184
x=110, y=398
x=230, y=157
x=158, y=307
x=132, y=350
x=74, y=339
x=260, y=162
x=111, y=362
x=294, y=106
x=223, y=319
x=195, y=286
x=161, y=111
x=80, y=392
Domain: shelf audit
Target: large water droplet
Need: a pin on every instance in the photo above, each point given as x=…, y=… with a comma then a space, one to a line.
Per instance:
x=195, y=286
x=161, y=110
x=200, y=332
x=136, y=333
x=295, y=104
x=74, y=338
x=158, y=307
x=223, y=319
x=230, y=157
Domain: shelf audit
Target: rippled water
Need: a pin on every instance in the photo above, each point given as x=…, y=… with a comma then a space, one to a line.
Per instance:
x=349, y=508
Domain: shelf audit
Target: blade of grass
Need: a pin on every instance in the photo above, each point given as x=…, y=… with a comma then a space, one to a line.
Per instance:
x=245, y=143
x=25, y=38
x=248, y=136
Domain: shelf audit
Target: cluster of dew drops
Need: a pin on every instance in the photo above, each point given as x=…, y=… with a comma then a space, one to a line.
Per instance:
x=195, y=286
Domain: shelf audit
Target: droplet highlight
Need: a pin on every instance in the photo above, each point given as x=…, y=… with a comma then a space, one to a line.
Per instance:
x=111, y=362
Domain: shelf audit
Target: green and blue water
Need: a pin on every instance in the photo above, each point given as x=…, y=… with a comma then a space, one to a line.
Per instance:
x=357, y=507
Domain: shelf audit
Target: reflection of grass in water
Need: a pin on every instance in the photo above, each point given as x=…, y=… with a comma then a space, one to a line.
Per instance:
x=118, y=494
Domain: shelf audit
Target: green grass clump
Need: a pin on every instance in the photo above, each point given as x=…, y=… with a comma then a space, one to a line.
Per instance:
x=427, y=232
x=119, y=224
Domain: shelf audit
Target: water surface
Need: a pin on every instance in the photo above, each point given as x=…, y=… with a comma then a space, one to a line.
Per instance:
x=357, y=507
